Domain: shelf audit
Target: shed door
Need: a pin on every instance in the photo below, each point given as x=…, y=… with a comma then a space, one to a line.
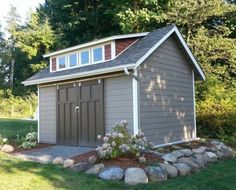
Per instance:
x=80, y=113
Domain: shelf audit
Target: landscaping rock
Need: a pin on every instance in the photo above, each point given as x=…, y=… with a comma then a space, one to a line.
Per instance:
x=212, y=149
x=190, y=162
x=7, y=148
x=199, y=150
x=219, y=154
x=135, y=176
x=142, y=159
x=183, y=169
x=81, y=166
x=212, y=156
x=177, y=154
x=113, y=173
x=215, y=142
x=186, y=152
x=156, y=173
x=227, y=151
x=170, y=170
x=92, y=159
x=218, y=147
x=169, y=158
x=58, y=160
x=95, y=169
x=200, y=162
x=67, y=163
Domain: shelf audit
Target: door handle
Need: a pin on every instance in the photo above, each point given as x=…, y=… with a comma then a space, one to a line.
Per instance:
x=77, y=110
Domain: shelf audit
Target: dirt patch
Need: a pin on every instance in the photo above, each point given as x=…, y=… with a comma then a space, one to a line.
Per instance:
x=21, y=150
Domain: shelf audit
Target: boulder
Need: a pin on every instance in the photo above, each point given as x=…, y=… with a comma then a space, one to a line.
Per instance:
x=183, y=169
x=170, y=170
x=212, y=149
x=227, y=151
x=215, y=142
x=212, y=156
x=68, y=163
x=7, y=148
x=218, y=147
x=199, y=150
x=186, y=152
x=156, y=173
x=189, y=162
x=113, y=173
x=95, y=169
x=135, y=176
x=177, y=154
x=200, y=162
x=58, y=160
x=81, y=166
x=219, y=154
x=92, y=159
x=169, y=158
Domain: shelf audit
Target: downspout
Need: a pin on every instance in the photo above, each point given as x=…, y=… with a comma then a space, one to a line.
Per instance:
x=135, y=93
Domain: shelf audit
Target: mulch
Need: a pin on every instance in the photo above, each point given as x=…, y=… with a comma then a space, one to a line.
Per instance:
x=20, y=150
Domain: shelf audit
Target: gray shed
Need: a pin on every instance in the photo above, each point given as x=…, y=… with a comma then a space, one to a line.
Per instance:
x=144, y=78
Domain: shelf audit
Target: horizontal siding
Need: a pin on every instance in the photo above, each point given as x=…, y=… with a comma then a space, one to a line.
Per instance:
x=166, y=95
x=47, y=115
x=118, y=101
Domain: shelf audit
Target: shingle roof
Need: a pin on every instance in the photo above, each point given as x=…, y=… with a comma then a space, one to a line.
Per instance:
x=130, y=56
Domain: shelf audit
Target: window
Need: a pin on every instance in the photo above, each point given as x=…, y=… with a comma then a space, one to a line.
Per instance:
x=97, y=54
x=84, y=57
x=73, y=60
x=62, y=62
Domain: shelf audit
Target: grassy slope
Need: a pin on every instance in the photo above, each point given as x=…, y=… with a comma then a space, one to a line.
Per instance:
x=11, y=127
x=21, y=175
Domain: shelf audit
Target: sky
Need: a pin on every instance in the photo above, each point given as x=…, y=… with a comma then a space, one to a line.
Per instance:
x=23, y=7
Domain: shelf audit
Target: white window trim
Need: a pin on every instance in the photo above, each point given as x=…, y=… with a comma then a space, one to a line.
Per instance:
x=80, y=56
x=66, y=63
x=76, y=53
x=103, y=54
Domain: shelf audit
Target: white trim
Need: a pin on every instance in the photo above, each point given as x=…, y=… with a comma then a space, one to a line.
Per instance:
x=66, y=64
x=76, y=75
x=96, y=42
x=92, y=56
x=80, y=57
x=175, y=142
x=113, y=50
x=135, y=104
x=125, y=48
x=194, y=106
x=69, y=54
x=38, y=116
x=174, y=29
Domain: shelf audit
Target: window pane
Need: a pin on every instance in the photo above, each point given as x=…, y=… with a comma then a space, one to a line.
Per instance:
x=84, y=57
x=62, y=62
x=73, y=60
x=97, y=54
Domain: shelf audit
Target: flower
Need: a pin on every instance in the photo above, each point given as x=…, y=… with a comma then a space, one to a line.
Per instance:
x=99, y=137
x=120, y=135
x=113, y=143
x=4, y=140
x=105, y=139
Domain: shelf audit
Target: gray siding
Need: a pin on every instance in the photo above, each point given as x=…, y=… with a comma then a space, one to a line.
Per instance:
x=166, y=95
x=118, y=101
x=47, y=114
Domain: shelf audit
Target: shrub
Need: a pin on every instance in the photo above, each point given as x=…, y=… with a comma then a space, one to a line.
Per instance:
x=30, y=141
x=3, y=140
x=121, y=143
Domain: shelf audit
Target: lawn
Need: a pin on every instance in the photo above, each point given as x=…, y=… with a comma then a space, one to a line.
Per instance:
x=11, y=127
x=16, y=174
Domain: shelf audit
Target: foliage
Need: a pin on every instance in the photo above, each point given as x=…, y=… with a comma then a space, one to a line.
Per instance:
x=30, y=141
x=121, y=143
x=17, y=107
x=3, y=140
x=216, y=109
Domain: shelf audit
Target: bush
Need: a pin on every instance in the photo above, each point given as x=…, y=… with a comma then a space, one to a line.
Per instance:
x=30, y=141
x=121, y=143
x=216, y=110
x=3, y=140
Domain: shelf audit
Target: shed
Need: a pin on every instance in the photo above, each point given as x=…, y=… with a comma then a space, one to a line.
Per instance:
x=144, y=78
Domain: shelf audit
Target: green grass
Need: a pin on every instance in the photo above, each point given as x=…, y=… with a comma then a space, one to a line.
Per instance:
x=22, y=175
x=11, y=127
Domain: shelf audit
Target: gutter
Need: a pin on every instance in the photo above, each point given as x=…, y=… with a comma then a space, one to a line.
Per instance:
x=130, y=74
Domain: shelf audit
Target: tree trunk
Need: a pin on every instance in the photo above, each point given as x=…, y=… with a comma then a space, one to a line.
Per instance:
x=12, y=72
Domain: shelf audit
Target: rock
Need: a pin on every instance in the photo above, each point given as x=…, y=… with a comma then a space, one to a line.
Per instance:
x=81, y=166
x=199, y=150
x=190, y=162
x=215, y=142
x=7, y=148
x=186, y=152
x=113, y=173
x=212, y=156
x=212, y=149
x=135, y=176
x=227, y=151
x=219, y=154
x=183, y=169
x=156, y=173
x=170, y=170
x=58, y=160
x=142, y=159
x=200, y=162
x=169, y=158
x=177, y=154
x=218, y=147
x=206, y=158
x=176, y=147
x=95, y=169
x=67, y=163
x=92, y=159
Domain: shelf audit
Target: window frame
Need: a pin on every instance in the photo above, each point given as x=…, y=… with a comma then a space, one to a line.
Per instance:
x=103, y=54
x=66, y=62
x=80, y=57
x=77, y=59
